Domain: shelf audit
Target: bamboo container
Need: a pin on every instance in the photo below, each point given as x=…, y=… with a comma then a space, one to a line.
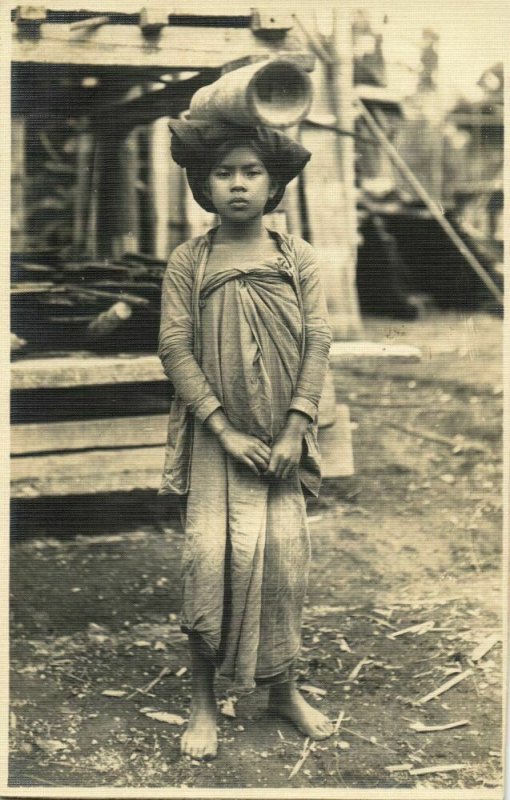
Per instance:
x=276, y=92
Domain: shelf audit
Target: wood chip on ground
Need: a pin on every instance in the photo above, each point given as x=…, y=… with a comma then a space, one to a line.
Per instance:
x=422, y=627
x=357, y=669
x=439, y=768
x=419, y=727
x=445, y=687
x=483, y=648
x=305, y=687
x=305, y=752
x=399, y=768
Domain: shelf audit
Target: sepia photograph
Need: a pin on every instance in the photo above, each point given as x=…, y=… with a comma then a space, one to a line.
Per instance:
x=258, y=519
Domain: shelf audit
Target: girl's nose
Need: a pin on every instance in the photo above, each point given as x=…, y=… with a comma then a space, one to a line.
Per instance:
x=238, y=181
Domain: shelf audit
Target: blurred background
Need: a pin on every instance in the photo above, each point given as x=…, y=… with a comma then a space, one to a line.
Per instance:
x=95, y=196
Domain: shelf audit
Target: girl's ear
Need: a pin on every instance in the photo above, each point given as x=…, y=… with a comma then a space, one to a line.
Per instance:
x=273, y=188
x=205, y=189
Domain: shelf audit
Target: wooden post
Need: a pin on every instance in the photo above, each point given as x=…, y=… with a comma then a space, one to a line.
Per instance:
x=84, y=170
x=159, y=185
x=91, y=245
x=329, y=178
x=341, y=86
x=118, y=216
x=18, y=183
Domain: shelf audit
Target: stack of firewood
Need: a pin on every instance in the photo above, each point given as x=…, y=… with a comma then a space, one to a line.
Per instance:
x=65, y=304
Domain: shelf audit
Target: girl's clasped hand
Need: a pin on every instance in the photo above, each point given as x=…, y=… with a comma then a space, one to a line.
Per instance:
x=276, y=462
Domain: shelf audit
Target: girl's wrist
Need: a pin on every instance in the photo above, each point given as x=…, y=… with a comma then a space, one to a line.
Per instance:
x=218, y=423
x=297, y=423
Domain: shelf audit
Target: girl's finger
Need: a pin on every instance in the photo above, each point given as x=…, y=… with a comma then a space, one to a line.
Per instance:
x=264, y=450
x=264, y=460
x=280, y=466
x=258, y=459
x=284, y=469
x=250, y=464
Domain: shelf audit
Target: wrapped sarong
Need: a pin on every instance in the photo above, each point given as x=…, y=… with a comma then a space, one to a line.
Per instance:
x=247, y=549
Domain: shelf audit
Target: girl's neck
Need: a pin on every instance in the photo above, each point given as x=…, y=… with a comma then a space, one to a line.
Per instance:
x=252, y=231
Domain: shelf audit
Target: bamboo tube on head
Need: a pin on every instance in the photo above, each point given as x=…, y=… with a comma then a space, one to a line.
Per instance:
x=276, y=93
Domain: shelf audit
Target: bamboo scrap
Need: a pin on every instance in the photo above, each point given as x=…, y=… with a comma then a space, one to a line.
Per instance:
x=483, y=648
x=305, y=752
x=422, y=627
x=445, y=687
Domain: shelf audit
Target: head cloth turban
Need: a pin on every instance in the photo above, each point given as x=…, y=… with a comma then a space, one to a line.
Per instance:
x=195, y=142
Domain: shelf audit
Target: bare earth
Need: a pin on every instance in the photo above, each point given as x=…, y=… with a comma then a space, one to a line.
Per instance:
x=415, y=538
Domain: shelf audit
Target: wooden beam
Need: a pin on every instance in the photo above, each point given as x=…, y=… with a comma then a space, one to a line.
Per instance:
x=180, y=47
x=139, y=431
x=125, y=468
x=117, y=470
x=345, y=351
x=89, y=371
x=18, y=179
x=184, y=8
x=54, y=373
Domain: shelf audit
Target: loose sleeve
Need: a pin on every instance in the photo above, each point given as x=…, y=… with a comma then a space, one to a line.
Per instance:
x=176, y=337
x=317, y=336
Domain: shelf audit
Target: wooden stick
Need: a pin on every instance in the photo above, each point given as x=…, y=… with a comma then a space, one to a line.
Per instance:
x=366, y=739
x=483, y=648
x=441, y=768
x=357, y=669
x=429, y=202
x=419, y=727
x=91, y=22
x=445, y=687
x=146, y=689
x=339, y=721
x=436, y=437
x=304, y=755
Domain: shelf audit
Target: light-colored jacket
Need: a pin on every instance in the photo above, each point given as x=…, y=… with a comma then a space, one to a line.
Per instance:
x=179, y=351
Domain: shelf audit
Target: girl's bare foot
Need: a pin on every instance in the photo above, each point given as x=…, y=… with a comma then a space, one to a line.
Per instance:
x=200, y=740
x=286, y=701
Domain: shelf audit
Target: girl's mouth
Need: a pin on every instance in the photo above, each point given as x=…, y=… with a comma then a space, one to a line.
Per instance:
x=238, y=201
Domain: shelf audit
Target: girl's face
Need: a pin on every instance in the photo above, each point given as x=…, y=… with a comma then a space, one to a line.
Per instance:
x=239, y=185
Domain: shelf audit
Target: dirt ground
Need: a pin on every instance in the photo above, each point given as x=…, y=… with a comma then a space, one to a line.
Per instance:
x=412, y=541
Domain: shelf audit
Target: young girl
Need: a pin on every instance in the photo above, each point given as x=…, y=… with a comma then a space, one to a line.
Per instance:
x=244, y=339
